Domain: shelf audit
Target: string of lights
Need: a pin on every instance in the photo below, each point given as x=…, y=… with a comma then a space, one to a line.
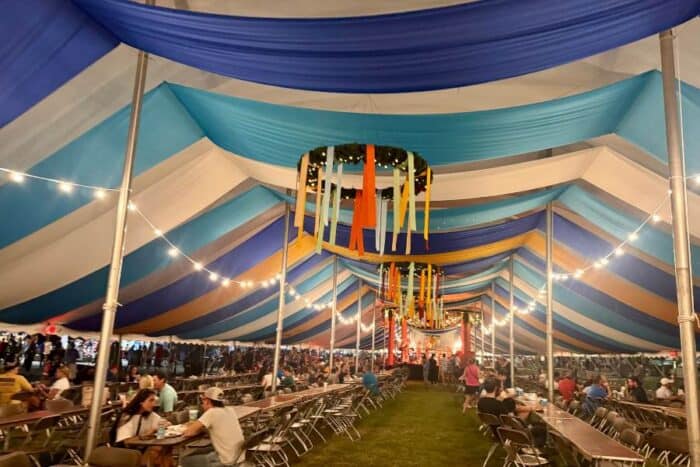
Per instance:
x=102, y=193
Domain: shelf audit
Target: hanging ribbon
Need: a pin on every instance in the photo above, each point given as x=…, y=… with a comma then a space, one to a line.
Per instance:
x=402, y=214
x=317, y=214
x=428, y=298
x=330, y=153
x=421, y=295
x=357, y=242
x=368, y=187
x=300, y=208
x=426, y=211
x=397, y=210
x=411, y=193
x=409, y=287
x=382, y=229
x=378, y=223
x=336, y=203
x=381, y=281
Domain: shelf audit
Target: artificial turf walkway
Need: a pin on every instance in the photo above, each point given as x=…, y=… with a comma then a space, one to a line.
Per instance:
x=421, y=427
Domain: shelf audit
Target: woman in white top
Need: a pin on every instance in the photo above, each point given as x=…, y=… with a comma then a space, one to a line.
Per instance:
x=61, y=384
x=138, y=418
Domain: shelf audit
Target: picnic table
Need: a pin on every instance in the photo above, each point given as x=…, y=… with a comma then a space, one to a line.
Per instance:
x=588, y=441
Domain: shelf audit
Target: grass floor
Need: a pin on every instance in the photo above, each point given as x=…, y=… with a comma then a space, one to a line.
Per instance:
x=421, y=427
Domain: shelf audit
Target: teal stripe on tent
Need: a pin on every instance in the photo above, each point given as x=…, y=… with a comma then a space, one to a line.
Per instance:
x=96, y=158
x=148, y=259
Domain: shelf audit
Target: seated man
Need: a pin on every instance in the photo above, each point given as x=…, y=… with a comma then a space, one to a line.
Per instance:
x=665, y=393
x=635, y=390
x=11, y=383
x=595, y=393
x=167, y=396
x=224, y=430
x=488, y=403
x=369, y=381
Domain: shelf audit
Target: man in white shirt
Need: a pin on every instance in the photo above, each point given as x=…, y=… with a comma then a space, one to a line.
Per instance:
x=664, y=392
x=224, y=430
x=267, y=381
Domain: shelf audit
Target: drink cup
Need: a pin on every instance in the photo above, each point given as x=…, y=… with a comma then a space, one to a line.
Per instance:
x=193, y=414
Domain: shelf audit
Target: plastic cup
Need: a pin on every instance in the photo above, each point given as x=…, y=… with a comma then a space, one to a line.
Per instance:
x=193, y=414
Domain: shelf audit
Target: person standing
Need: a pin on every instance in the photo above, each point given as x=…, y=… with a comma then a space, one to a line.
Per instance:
x=471, y=381
x=433, y=370
x=426, y=369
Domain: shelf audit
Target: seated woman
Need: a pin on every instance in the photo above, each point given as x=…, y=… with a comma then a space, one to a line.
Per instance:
x=61, y=384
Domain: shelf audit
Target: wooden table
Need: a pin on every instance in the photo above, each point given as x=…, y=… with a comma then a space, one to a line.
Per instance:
x=591, y=443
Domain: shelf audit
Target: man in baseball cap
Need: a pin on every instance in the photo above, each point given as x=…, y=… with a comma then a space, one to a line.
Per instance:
x=224, y=430
x=664, y=392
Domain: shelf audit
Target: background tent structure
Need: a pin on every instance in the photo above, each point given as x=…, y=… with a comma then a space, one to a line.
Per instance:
x=216, y=157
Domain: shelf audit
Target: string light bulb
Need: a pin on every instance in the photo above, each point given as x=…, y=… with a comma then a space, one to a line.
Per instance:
x=16, y=177
x=197, y=266
x=655, y=218
x=633, y=236
x=100, y=193
x=213, y=277
x=225, y=282
x=172, y=252
x=65, y=187
x=619, y=251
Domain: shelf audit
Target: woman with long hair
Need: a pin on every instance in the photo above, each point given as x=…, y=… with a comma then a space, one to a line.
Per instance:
x=138, y=418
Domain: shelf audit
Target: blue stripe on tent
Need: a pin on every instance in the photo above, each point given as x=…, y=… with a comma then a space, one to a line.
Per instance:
x=628, y=266
x=295, y=273
x=437, y=48
x=564, y=325
x=44, y=44
x=615, y=222
x=238, y=317
x=347, y=313
x=96, y=158
x=440, y=242
x=462, y=217
x=148, y=259
x=601, y=307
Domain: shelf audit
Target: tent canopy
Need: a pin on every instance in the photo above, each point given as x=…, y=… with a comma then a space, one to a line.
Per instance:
x=216, y=157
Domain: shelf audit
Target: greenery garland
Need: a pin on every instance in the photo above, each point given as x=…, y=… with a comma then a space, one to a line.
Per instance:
x=354, y=153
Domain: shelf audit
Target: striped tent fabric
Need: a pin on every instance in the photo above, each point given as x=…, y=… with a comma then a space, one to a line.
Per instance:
x=216, y=163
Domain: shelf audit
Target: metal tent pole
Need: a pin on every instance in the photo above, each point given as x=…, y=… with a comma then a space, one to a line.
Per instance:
x=511, y=311
x=359, y=323
x=204, y=360
x=111, y=300
x=549, y=325
x=374, y=329
x=334, y=308
x=483, y=345
x=493, y=325
x=282, y=301
x=681, y=242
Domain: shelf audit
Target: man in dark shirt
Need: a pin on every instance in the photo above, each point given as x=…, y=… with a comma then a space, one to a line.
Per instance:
x=488, y=403
x=636, y=391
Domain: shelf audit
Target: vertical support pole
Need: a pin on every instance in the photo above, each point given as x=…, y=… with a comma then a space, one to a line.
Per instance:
x=404, y=340
x=392, y=339
x=466, y=337
x=204, y=360
x=511, y=322
x=681, y=242
x=171, y=354
x=282, y=300
x=550, y=320
x=115, y=270
x=483, y=344
x=386, y=332
x=334, y=308
x=357, y=330
x=374, y=329
x=493, y=324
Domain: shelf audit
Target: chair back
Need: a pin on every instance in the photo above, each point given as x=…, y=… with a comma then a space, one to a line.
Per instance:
x=15, y=459
x=513, y=422
x=574, y=406
x=517, y=438
x=630, y=437
x=564, y=448
x=114, y=457
x=46, y=423
x=58, y=405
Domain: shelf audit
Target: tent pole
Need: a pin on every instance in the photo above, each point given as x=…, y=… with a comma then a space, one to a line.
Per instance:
x=493, y=324
x=204, y=361
x=282, y=301
x=681, y=242
x=511, y=310
x=483, y=344
x=112, y=295
x=359, y=322
x=333, y=311
x=549, y=325
x=374, y=329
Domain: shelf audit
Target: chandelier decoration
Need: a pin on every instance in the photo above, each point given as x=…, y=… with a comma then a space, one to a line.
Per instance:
x=413, y=291
x=320, y=171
